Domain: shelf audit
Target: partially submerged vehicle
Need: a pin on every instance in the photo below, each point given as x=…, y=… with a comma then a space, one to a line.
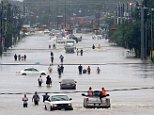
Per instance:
x=32, y=71
x=70, y=46
x=67, y=84
x=58, y=102
x=95, y=101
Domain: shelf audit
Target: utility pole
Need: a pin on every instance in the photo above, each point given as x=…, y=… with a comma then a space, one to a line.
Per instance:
x=65, y=15
x=152, y=41
x=1, y=29
x=143, y=30
x=49, y=19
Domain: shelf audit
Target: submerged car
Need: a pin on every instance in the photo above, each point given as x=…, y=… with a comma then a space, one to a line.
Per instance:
x=68, y=84
x=58, y=102
x=95, y=101
x=32, y=71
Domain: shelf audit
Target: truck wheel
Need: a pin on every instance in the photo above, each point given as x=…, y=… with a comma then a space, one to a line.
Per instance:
x=108, y=103
x=84, y=104
x=51, y=108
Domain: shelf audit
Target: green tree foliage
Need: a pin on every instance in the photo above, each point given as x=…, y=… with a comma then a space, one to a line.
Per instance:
x=133, y=37
x=128, y=34
x=10, y=24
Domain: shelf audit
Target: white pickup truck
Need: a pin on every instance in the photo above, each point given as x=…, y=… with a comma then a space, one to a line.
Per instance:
x=96, y=102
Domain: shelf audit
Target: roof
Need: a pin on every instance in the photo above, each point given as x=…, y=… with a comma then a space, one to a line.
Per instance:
x=57, y=94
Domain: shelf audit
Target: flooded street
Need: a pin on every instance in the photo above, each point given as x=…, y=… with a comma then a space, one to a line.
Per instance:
x=130, y=82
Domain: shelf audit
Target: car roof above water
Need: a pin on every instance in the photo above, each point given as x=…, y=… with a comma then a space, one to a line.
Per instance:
x=58, y=94
x=67, y=80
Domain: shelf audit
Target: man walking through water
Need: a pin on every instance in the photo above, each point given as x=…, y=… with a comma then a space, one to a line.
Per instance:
x=80, y=69
x=52, y=57
x=25, y=100
x=61, y=58
x=36, y=98
x=40, y=81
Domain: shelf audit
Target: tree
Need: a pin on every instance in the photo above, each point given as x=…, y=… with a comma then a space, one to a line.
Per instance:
x=128, y=35
x=10, y=24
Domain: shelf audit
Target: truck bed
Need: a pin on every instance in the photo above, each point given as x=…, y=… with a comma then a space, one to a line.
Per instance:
x=95, y=102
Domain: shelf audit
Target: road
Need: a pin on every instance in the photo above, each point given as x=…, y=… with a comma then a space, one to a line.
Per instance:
x=130, y=82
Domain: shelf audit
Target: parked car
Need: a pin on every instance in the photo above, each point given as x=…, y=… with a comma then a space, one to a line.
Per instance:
x=32, y=71
x=95, y=101
x=58, y=102
x=68, y=84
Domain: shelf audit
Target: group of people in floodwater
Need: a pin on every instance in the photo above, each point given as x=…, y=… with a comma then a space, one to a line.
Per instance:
x=20, y=57
x=35, y=99
x=48, y=81
x=100, y=94
x=79, y=51
x=61, y=57
x=60, y=70
x=87, y=70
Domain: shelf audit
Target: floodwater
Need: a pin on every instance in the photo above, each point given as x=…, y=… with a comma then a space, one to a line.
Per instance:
x=129, y=81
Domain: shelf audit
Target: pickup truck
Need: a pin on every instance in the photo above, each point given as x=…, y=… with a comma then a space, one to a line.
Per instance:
x=95, y=101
